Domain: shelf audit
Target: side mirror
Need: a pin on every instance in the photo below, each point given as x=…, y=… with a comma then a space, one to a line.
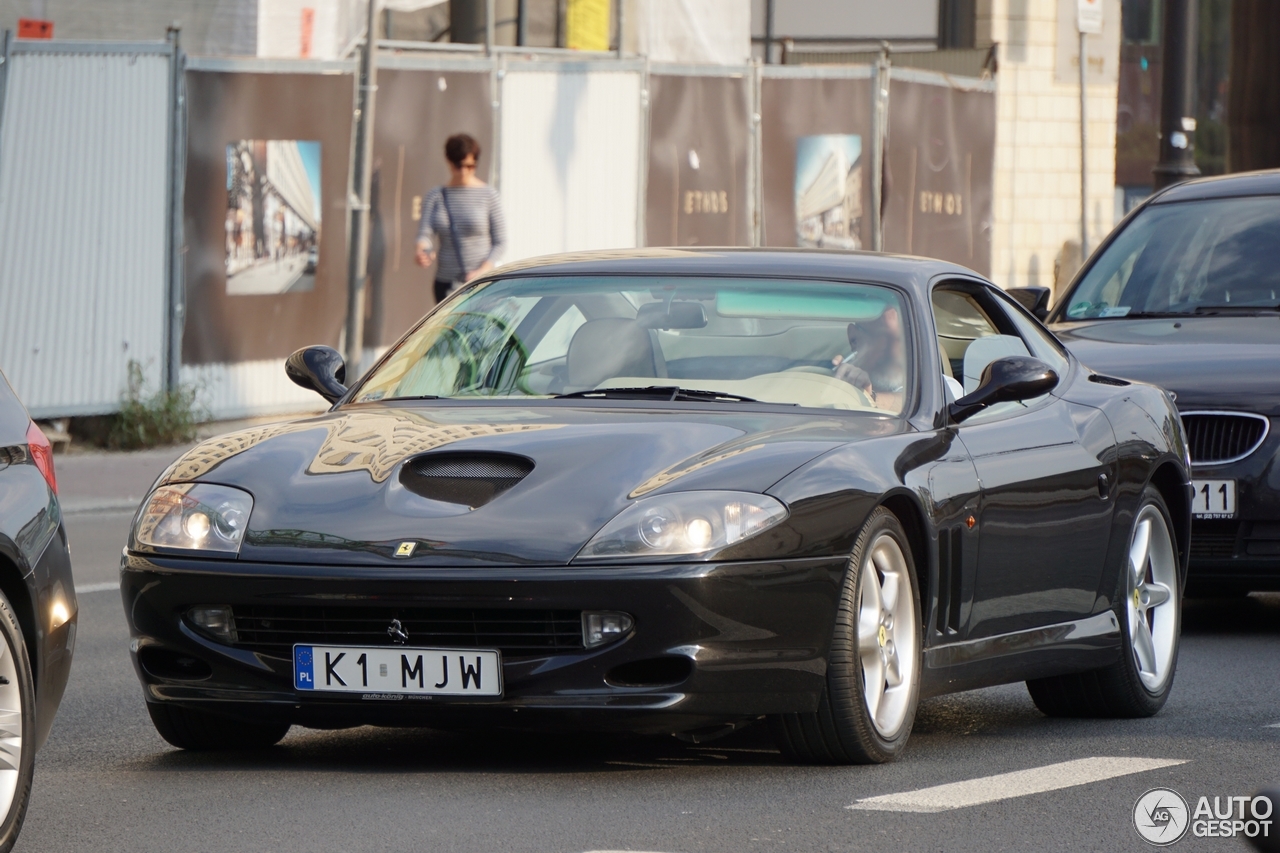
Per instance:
x=1034, y=299
x=1014, y=377
x=319, y=369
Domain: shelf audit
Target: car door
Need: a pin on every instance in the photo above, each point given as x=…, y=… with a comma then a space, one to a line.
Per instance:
x=1044, y=470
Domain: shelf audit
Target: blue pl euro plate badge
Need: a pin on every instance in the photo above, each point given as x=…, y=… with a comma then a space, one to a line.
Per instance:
x=303, y=677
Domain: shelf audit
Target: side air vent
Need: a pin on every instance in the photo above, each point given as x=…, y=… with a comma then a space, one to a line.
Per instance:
x=1108, y=380
x=1215, y=438
x=470, y=479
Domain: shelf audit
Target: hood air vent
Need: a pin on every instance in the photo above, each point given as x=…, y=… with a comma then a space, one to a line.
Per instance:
x=470, y=479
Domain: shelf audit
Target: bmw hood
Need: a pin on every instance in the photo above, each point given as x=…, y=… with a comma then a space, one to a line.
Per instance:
x=1213, y=362
x=333, y=489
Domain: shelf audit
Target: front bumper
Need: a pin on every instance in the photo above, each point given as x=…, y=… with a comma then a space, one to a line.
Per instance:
x=755, y=636
x=1244, y=552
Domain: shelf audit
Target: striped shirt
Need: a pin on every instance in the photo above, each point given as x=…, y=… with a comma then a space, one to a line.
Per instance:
x=478, y=220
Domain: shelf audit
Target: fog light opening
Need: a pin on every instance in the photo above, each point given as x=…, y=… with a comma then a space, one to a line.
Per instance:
x=215, y=621
x=173, y=666
x=604, y=626
x=652, y=672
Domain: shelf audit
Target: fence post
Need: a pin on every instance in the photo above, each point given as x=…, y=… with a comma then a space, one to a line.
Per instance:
x=879, y=134
x=175, y=317
x=497, y=74
x=5, y=52
x=358, y=249
x=757, y=157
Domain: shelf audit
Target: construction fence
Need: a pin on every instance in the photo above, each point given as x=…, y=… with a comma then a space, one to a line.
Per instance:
x=192, y=213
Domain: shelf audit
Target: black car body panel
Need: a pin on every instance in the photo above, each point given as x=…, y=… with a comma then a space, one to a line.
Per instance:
x=1219, y=364
x=35, y=561
x=750, y=626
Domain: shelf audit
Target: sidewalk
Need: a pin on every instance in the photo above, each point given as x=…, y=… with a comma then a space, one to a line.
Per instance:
x=107, y=481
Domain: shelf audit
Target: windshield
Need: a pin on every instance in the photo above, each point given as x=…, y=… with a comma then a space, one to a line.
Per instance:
x=1180, y=258
x=730, y=341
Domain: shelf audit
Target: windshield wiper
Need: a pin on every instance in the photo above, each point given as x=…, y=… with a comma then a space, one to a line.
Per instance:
x=1237, y=309
x=665, y=392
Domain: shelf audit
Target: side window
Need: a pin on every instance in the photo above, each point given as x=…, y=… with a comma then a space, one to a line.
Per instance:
x=968, y=338
x=1042, y=343
x=973, y=331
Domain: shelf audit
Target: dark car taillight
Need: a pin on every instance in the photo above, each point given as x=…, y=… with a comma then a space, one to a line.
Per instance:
x=42, y=454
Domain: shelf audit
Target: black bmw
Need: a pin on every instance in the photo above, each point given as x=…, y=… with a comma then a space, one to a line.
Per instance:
x=675, y=491
x=38, y=606
x=1185, y=294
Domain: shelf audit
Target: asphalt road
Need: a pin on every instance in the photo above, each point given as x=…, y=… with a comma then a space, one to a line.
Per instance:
x=105, y=781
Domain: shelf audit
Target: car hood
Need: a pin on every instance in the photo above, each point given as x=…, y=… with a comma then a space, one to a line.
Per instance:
x=327, y=489
x=1209, y=362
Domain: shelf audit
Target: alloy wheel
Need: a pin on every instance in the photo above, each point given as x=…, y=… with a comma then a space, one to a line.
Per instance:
x=10, y=727
x=887, y=636
x=1152, y=599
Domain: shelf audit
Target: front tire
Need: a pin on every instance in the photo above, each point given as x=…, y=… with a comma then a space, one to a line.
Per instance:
x=187, y=728
x=867, y=710
x=17, y=727
x=1150, y=609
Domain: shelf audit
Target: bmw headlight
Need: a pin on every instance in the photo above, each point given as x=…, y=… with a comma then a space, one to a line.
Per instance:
x=193, y=517
x=684, y=523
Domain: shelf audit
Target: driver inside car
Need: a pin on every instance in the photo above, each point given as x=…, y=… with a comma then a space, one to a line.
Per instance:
x=876, y=363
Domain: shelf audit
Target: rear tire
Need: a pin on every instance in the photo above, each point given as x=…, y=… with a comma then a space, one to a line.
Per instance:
x=867, y=710
x=187, y=728
x=1149, y=603
x=17, y=727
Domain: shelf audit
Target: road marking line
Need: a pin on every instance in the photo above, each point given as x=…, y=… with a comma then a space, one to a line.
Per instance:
x=1273, y=726
x=97, y=587
x=1004, y=786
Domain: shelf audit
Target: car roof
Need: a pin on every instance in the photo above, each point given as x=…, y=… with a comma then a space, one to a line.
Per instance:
x=1223, y=186
x=903, y=270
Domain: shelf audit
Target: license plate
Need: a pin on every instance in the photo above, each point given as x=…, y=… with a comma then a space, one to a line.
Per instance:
x=398, y=670
x=1214, y=499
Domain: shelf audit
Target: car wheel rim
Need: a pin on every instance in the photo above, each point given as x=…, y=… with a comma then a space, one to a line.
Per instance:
x=1152, y=599
x=887, y=636
x=10, y=728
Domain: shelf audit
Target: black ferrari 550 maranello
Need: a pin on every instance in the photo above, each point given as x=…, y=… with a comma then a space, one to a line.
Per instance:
x=38, y=606
x=1186, y=294
x=675, y=491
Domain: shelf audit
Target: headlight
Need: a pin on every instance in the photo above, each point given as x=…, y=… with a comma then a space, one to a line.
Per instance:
x=193, y=517
x=684, y=523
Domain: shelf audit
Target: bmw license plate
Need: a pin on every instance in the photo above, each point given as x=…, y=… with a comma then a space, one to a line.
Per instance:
x=398, y=670
x=1214, y=499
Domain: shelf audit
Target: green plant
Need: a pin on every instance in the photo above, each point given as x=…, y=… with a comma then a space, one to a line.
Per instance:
x=153, y=420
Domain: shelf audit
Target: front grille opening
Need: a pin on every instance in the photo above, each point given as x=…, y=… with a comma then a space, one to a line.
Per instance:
x=1215, y=437
x=652, y=672
x=469, y=479
x=1214, y=540
x=273, y=630
x=173, y=666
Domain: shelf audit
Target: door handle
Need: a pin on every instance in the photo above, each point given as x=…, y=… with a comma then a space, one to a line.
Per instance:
x=1104, y=486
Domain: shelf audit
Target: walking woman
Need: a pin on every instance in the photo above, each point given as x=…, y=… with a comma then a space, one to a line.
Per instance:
x=462, y=222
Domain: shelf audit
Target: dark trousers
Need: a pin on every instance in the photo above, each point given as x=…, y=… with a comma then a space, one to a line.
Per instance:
x=442, y=289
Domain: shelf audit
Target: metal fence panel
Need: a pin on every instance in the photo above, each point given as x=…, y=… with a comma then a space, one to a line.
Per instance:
x=570, y=157
x=83, y=230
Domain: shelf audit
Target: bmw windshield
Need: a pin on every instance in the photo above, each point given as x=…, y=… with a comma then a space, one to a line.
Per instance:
x=1215, y=256
x=730, y=341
